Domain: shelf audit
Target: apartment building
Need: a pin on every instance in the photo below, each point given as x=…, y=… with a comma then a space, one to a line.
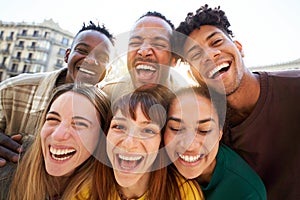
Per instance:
x=31, y=48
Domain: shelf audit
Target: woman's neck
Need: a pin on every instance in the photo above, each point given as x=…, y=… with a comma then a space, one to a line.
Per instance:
x=136, y=190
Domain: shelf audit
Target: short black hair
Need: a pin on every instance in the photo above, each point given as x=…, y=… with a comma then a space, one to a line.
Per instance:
x=157, y=14
x=102, y=29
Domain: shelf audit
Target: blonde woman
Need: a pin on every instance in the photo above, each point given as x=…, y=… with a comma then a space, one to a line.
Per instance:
x=59, y=164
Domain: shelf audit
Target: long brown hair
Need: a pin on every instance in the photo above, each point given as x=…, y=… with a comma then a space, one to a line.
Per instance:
x=31, y=181
x=163, y=182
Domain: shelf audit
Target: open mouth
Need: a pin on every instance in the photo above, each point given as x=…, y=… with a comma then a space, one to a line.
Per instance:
x=129, y=162
x=145, y=72
x=190, y=158
x=86, y=71
x=220, y=69
x=61, y=154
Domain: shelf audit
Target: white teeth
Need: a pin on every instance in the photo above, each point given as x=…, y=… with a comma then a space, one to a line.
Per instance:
x=61, y=151
x=86, y=71
x=146, y=67
x=190, y=159
x=217, y=69
x=130, y=158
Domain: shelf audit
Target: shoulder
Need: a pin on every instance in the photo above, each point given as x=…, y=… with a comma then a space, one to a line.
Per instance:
x=240, y=175
x=28, y=79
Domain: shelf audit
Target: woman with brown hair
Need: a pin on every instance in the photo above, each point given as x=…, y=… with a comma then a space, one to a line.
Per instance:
x=135, y=163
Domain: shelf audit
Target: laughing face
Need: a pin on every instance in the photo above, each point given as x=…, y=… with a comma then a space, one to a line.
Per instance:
x=149, y=51
x=132, y=147
x=88, y=57
x=69, y=134
x=215, y=58
x=192, y=136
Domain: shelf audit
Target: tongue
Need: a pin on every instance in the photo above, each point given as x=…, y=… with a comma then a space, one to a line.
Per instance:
x=128, y=164
x=145, y=74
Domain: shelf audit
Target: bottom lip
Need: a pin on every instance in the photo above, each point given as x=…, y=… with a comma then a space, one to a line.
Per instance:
x=128, y=165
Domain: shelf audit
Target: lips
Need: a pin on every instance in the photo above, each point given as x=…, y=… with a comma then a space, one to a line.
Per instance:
x=61, y=154
x=129, y=162
x=218, y=70
x=145, y=72
x=190, y=158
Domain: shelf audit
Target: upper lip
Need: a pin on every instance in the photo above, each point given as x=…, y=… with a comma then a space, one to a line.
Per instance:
x=217, y=67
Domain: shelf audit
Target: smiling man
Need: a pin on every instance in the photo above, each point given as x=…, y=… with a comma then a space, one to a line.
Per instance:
x=262, y=120
x=149, y=57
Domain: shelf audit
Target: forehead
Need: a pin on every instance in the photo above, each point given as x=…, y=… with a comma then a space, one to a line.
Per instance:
x=91, y=38
x=193, y=105
x=151, y=26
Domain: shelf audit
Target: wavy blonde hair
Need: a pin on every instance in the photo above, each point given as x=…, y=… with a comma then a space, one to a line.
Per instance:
x=31, y=180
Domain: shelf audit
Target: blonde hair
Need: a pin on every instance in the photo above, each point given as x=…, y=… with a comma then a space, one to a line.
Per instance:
x=31, y=180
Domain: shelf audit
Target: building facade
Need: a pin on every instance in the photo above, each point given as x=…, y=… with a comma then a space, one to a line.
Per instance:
x=32, y=48
x=292, y=65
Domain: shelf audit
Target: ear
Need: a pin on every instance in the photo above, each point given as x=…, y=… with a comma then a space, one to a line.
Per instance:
x=240, y=47
x=67, y=53
x=173, y=61
x=221, y=134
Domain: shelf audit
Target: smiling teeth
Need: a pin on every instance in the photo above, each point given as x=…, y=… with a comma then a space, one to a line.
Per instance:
x=146, y=67
x=61, y=151
x=190, y=159
x=86, y=71
x=217, y=69
x=131, y=158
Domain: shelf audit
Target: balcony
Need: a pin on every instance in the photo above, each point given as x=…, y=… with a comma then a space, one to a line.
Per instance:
x=5, y=52
x=34, y=61
x=37, y=48
x=9, y=38
x=19, y=47
x=2, y=66
x=32, y=37
x=16, y=59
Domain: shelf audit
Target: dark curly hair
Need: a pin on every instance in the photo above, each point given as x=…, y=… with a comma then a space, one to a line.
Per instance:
x=102, y=29
x=203, y=16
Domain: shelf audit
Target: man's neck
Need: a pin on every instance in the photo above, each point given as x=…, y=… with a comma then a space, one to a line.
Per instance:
x=242, y=102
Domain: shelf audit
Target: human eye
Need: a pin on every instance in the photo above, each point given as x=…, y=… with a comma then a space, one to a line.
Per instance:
x=204, y=130
x=79, y=124
x=135, y=43
x=117, y=126
x=81, y=50
x=160, y=45
x=176, y=128
x=52, y=119
x=149, y=131
x=217, y=41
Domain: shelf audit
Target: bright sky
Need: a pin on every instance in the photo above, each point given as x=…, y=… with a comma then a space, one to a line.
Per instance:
x=268, y=29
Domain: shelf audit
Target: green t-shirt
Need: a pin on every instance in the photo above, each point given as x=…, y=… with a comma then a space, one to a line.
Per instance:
x=233, y=179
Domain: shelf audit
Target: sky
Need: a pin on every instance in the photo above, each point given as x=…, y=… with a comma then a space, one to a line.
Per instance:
x=269, y=30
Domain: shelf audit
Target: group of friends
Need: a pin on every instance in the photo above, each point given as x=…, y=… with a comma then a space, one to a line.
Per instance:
x=150, y=134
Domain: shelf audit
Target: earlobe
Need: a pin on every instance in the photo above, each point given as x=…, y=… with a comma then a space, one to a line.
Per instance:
x=240, y=47
x=220, y=136
x=67, y=53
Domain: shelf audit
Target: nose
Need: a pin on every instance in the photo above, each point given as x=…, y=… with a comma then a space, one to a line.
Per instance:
x=129, y=140
x=61, y=132
x=212, y=53
x=91, y=60
x=189, y=142
x=145, y=50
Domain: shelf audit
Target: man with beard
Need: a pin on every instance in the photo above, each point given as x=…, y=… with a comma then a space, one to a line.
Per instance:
x=149, y=58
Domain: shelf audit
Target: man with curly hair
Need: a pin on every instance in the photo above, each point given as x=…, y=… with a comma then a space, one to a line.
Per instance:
x=23, y=98
x=262, y=120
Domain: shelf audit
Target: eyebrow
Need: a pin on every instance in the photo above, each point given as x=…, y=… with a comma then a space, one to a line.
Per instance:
x=124, y=119
x=198, y=122
x=196, y=46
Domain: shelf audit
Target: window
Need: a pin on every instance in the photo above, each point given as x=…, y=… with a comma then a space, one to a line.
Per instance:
x=35, y=33
x=61, y=51
x=14, y=67
x=65, y=41
x=24, y=32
